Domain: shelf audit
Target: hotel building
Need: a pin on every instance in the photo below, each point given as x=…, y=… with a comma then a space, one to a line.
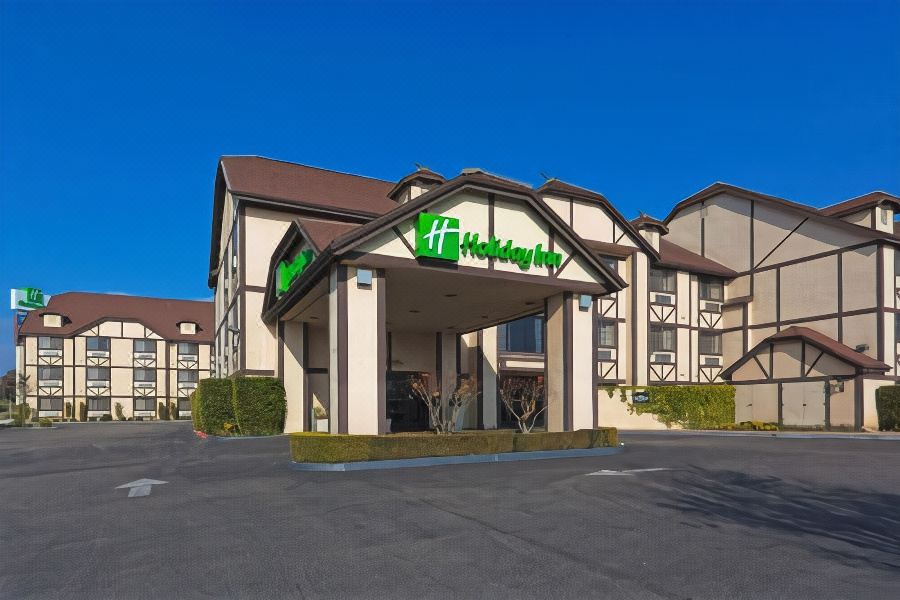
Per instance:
x=345, y=286
x=85, y=353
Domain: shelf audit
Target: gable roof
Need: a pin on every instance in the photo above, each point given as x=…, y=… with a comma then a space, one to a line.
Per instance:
x=848, y=207
x=808, y=211
x=862, y=362
x=674, y=256
x=557, y=187
x=83, y=310
x=470, y=178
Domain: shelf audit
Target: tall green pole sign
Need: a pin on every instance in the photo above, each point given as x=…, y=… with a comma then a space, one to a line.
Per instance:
x=287, y=272
x=28, y=299
x=438, y=236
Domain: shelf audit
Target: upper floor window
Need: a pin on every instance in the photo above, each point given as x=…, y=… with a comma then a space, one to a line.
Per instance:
x=606, y=330
x=97, y=344
x=50, y=373
x=145, y=375
x=189, y=348
x=662, y=280
x=50, y=343
x=611, y=262
x=711, y=289
x=98, y=373
x=145, y=346
x=710, y=343
x=522, y=335
x=187, y=328
x=662, y=338
x=188, y=376
x=884, y=215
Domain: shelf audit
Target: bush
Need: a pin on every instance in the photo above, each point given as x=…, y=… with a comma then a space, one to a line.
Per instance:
x=45, y=422
x=334, y=448
x=750, y=426
x=106, y=417
x=259, y=405
x=887, y=402
x=120, y=413
x=215, y=406
x=691, y=406
x=173, y=411
x=82, y=411
x=68, y=412
x=22, y=414
x=195, y=410
x=162, y=411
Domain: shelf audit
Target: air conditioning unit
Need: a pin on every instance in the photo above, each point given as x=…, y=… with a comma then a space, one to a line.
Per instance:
x=51, y=383
x=712, y=307
x=49, y=413
x=663, y=358
x=604, y=355
x=98, y=353
x=144, y=384
x=187, y=357
x=97, y=384
x=144, y=355
x=49, y=352
x=144, y=413
x=711, y=361
x=663, y=299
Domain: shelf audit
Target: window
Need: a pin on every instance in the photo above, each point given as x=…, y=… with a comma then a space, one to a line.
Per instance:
x=146, y=346
x=184, y=405
x=145, y=375
x=187, y=348
x=50, y=343
x=611, y=262
x=710, y=343
x=607, y=333
x=98, y=403
x=884, y=216
x=50, y=373
x=188, y=376
x=98, y=344
x=145, y=403
x=523, y=335
x=98, y=373
x=187, y=328
x=711, y=289
x=662, y=280
x=55, y=403
x=662, y=338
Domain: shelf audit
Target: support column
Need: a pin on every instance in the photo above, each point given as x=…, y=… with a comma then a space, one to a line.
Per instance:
x=570, y=360
x=292, y=373
x=486, y=361
x=358, y=351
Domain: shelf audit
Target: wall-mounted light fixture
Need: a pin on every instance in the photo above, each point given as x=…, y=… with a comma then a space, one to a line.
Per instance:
x=585, y=301
x=364, y=277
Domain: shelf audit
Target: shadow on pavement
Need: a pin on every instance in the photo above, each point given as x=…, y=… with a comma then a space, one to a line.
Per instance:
x=829, y=518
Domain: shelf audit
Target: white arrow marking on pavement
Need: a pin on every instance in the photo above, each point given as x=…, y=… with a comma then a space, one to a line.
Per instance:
x=627, y=471
x=140, y=487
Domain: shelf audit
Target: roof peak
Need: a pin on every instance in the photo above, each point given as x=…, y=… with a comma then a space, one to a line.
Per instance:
x=304, y=165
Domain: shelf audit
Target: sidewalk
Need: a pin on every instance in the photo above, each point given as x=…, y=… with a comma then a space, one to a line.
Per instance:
x=893, y=436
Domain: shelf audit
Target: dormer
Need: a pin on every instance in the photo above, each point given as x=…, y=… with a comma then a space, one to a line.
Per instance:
x=650, y=229
x=875, y=210
x=187, y=328
x=415, y=184
x=50, y=319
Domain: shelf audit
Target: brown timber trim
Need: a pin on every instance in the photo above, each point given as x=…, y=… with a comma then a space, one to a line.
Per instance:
x=491, y=203
x=811, y=257
x=242, y=252
x=569, y=385
x=858, y=402
x=828, y=316
x=382, y=350
x=634, y=323
x=438, y=364
x=343, y=349
x=479, y=369
x=253, y=373
x=307, y=399
x=399, y=234
x=279, y=327
x=880, y=300
x=595, y=376
x=840, y=297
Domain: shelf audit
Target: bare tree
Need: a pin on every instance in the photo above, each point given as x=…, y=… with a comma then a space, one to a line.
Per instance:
x=521, y=396
x=443, y=415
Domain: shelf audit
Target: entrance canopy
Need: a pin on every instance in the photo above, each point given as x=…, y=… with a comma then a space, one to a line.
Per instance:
x=355, y=307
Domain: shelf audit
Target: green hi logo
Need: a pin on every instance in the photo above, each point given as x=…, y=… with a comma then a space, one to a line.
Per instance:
x=288, y=272
x=437, y=237
x=34, y=298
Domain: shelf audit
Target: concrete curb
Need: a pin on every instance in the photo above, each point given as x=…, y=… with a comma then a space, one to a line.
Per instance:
x=432, y=461
x=790, y=435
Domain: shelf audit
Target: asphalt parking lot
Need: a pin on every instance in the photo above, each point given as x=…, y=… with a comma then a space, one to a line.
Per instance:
x=720, y=518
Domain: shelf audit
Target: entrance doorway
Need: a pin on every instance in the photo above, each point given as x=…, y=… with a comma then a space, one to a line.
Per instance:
x=406, y=412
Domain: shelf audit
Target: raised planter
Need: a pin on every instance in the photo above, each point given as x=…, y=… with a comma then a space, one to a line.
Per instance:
x=334, y=448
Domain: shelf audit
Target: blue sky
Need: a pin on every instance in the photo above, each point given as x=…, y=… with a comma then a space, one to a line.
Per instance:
x=112, y=115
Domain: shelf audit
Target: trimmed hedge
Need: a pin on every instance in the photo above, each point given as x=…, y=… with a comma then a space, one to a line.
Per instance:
x=215, y=406
x=887, y=402
x=259, y=405
x=336, y=448
x=195, y=410
x=691, y=406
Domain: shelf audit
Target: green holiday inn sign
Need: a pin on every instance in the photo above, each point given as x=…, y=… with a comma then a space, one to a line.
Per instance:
x=287, y=272
x=438, y=236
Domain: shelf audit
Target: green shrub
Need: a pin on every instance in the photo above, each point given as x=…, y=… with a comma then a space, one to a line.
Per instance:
x=162, y=411
x=750, y=426
x=259, y=405
x=691, y=406
x=82, y=411
x=120, y=413
x=106, y=417
x=45, y=422
x=173, y=411
x=887, y=402
x=332, y=448
x=68, y=412
x=195, y=410
x=215, y=405
x=22, y=414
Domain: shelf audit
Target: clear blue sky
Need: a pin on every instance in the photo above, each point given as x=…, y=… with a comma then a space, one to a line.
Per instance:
x=112, y=115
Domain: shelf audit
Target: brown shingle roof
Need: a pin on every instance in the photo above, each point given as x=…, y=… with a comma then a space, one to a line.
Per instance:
x=82, y=310
x=647, y=222
x=303, y=185
x=848, y=207
x=321, y=233
x=674, y=256
x=830, y=345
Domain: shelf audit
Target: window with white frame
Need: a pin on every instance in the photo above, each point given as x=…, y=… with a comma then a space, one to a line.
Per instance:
x=145, y=375
x=50, y=403
x=662, y=280
x=188, y=376
x=145, y=403
x=98, y=403
x=188, y=349
x=145, y=346
x=710, y=343
x=606, y=329
x=662, y=338
x=50, y=373
x=50, y=343
x=97, y=344
x=711, y=289
x=98, y=373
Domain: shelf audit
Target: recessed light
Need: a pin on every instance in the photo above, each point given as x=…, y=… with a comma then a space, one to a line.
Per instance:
x=450, y=295
x=414, y=311
x=484, y=316
x=529, y=304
